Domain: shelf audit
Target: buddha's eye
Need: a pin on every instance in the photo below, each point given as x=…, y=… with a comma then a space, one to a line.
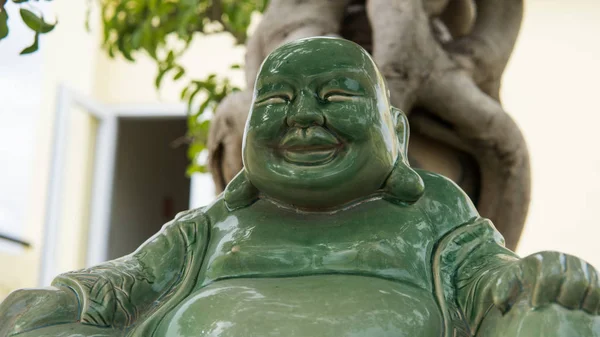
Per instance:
x=275, y=99
x=340, y=96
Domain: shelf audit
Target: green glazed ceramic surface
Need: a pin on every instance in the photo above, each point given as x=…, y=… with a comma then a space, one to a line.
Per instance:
x=326, y=232
x=323, y=305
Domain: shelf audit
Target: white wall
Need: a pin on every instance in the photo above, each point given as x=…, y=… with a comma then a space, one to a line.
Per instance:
x=551, y=88
x=28, y=89
x=20, y=102
x=121, y=81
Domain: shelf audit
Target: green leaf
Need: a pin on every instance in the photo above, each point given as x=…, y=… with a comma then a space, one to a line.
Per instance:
x=184, y=92
x=136, y=38
x=3, y=24
x=19, y=1
x=191, y=97
x=203, y=107
x=36, y=23
x=196, y=148
x=147, y=39
x=159, y=78
x=195, y=168
x=111, y=51
x=33, y=47
x=170, y=57
x=202, y=129
x=161, y=73
x=179, y=73
x=124, y=45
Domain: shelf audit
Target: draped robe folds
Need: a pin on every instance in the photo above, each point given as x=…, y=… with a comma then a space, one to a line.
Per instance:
x=131, y=295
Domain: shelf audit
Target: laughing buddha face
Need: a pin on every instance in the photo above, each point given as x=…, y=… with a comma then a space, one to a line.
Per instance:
x=320, y=125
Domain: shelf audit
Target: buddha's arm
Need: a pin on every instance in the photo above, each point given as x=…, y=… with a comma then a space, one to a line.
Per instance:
x=482, y=257
x=466, y=263
x=485, y=275
x=117, y=293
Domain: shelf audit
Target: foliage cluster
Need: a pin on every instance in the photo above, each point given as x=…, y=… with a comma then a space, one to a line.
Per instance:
x=164, y=29
x=30, y=16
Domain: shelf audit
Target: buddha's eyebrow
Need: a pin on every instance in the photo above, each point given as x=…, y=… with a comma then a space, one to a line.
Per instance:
x=275, y=80
x=356, y=84
x=275, y=86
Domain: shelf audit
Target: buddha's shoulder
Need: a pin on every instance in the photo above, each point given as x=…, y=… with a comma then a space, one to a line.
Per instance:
x=213, y=212
x=200, y=216
x=196, y=222
x=444, y=202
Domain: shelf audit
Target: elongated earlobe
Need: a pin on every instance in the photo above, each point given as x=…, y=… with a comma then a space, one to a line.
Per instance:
x=240, y=192
x=404, y=185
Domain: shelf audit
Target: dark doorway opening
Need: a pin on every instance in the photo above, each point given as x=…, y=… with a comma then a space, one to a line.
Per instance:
x=150, y=185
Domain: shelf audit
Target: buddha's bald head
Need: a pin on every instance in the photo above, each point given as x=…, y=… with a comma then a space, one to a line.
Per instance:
x=318, y=56
x=320, y=124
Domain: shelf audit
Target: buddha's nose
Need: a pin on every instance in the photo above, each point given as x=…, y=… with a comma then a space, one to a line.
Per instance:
x=305, y=111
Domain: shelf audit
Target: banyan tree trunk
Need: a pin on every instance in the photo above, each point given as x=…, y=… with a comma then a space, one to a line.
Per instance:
x=443, y=61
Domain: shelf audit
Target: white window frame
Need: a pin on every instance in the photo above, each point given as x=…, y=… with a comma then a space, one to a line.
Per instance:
x=103, y=171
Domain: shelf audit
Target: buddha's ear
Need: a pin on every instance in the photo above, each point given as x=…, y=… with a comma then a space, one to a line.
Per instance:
x=402, y=131
x=240, y=192
x=404, y=185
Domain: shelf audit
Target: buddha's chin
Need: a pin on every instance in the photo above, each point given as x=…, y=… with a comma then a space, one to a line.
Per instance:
x=321, y=188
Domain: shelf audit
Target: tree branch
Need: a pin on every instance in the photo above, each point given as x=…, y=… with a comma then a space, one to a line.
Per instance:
x=496, y=142
x=225, y=138
x=286, y=20
x=489, y=45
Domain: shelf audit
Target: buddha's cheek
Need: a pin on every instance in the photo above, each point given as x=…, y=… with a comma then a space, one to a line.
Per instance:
x=266, y=124
x=351, y=121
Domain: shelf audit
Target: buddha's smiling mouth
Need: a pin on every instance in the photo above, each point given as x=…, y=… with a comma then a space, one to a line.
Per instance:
x=310, y=157
x=309, y=146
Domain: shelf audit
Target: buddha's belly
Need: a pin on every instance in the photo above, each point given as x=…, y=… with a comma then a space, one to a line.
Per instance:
x=315, y=306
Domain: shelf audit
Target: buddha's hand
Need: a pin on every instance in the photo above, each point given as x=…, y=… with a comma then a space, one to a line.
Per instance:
x=29, y=309
x=548, y=277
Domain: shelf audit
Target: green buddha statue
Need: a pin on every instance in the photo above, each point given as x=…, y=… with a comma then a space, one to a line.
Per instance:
x=327, y=231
